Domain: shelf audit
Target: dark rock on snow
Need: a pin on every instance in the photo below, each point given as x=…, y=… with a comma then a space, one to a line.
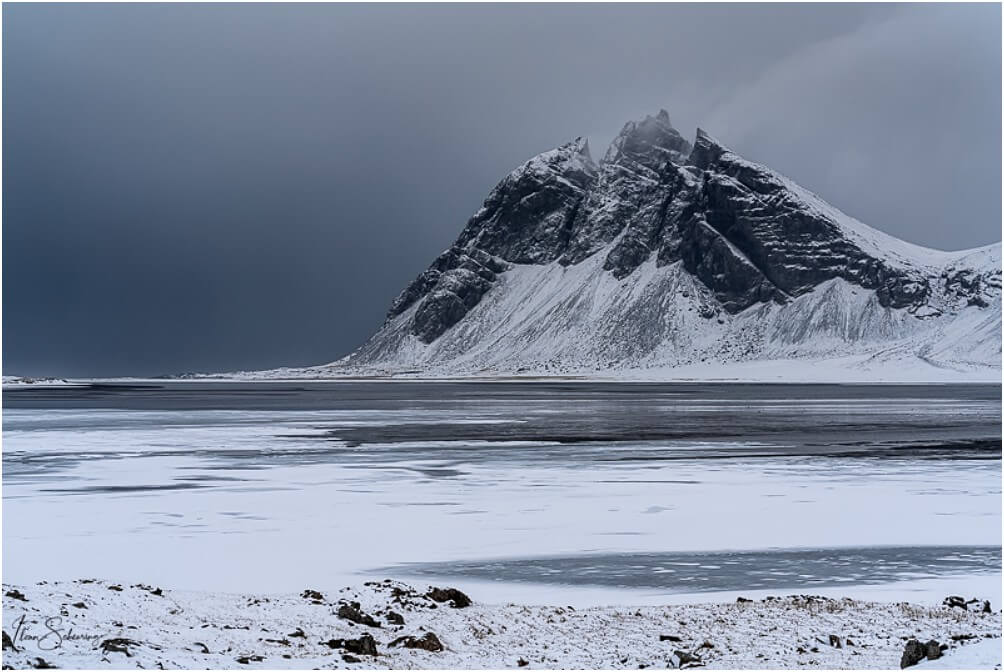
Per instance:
x=958, y=602
x=457, y=599
x=954, y=602
x=684, y=659
x=313, y=595
x=428, y=642
x=364, y=645
x=244, y=660
x=914, y=652
x=352, y=612
x=118, y=645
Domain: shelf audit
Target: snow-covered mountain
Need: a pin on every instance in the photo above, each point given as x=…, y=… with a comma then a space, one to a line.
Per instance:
x=666, y=254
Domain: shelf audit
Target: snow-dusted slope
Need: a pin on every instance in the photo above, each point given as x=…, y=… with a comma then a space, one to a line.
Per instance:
x=667, y=257
x=580, y=319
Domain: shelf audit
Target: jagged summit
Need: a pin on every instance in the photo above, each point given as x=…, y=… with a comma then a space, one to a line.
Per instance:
x=666, y=253
x=649, y=142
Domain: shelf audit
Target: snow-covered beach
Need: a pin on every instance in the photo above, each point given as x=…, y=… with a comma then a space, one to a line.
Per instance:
x=99, y=624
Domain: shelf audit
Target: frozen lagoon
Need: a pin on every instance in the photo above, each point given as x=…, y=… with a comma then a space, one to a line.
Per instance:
x=533, y=492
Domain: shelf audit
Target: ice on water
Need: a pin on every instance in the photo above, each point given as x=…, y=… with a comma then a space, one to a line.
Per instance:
x=267, y=487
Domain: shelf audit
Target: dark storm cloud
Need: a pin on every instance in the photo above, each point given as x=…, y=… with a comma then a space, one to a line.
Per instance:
x=210, y=187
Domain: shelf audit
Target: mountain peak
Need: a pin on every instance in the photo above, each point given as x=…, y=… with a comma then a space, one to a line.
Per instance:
x=650, y=142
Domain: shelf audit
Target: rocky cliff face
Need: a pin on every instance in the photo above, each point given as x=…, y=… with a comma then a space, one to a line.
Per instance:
x=526, y=219
x=703, y=230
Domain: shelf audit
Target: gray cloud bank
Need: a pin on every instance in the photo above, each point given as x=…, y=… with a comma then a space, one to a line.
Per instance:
x=211, y=187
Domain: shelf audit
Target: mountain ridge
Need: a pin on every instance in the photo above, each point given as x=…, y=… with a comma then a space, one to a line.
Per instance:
x=667, y=253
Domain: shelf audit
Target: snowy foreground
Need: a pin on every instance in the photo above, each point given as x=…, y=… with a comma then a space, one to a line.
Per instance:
x=99, y=624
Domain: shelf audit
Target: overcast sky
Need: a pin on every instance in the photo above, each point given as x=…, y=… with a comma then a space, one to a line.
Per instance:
x=212, y=187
